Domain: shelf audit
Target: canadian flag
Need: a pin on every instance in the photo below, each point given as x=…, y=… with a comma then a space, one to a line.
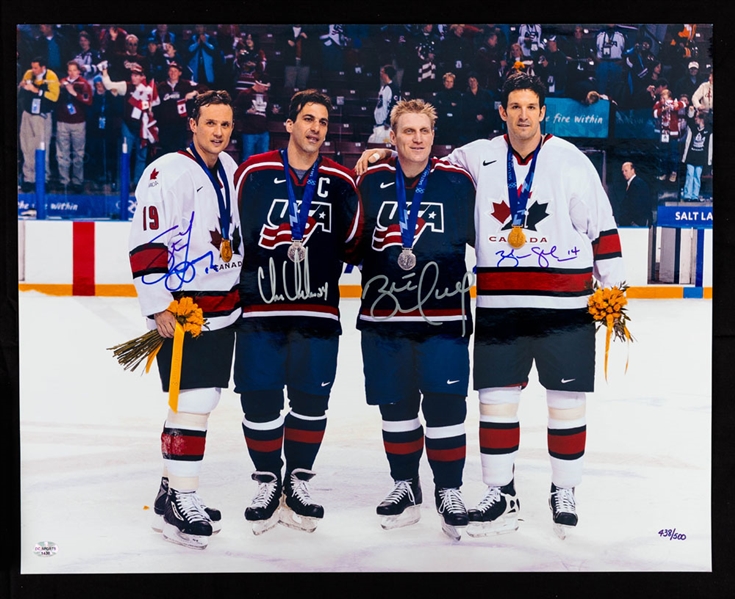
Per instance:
x=143, y=98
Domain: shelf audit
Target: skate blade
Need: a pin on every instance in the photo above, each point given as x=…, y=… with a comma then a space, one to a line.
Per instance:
x=409, y=516
x=561, y=530
x=497, y=527
x=453, y=532
x=291, y=519
x=216, y=526
x=157, y=522
x=261, y=526
x=174, y=535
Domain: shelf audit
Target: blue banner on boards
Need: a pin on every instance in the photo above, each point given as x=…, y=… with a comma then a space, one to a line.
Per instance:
x=73, y=206
x=569, y=118
x=685, y=217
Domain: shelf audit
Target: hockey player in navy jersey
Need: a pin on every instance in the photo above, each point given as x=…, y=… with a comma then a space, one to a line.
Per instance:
x=415, y=318
x=302, y=219
x=545, y=235
x=185, y=242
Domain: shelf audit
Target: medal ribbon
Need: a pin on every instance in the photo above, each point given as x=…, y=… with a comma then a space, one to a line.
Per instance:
x=408, y=215
x=224, y=203
x=298, y=216
x=519, y=200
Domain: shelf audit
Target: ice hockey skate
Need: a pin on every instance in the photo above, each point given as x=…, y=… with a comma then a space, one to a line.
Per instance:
x=159, y=505
x=497, y=512
x=297, y=510
x=263, y=512
x=452, y=511
x=402, y=506
x=184, y=520
x=563, y=509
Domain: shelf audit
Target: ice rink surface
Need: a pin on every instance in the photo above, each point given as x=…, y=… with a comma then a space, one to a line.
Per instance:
x=90, y=462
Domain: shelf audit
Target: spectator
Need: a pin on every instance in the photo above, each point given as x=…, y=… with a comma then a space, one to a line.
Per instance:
x=516, y=62
x=171, y=114
x=635, y=209
x=388, y=96
x=702, y=98
x=479, y=115
x=250, y=62
x=333, y=45
x=163, y=35
x=456, y=52
x=71, y=127
x=448, y=103
x=552, y=68
x=489, y=62
x=104, y=122
x=295, y=43
x=666, y=112
x=88, y=57
x=610, y=49
x=251, y=112
x=121, y=63
x=112, y=42
x=697, y=153
x=649, y=89
x=639, y=62
x=530, y=39
x=426, y=53
x=139, y=128
x=203, y=54
x=54, y=47
x=580, y=54
x=38, y=94
x=155, y=60
x=689, y=83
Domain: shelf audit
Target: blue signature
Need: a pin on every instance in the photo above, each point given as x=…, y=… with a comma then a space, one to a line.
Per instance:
x=542, y=256
x=181, y=270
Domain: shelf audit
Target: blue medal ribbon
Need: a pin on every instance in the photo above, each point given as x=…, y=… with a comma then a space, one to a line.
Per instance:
x=518, y=201
x=224, y=202
x=298, y=216
x=408, y=215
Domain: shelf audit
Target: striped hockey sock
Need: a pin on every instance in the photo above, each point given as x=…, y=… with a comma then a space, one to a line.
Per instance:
x=566, y=442
x=403, y=441
x=302, y=439
x=182, y=448
x=499, y=440
x=264, y=441
x=446, y=448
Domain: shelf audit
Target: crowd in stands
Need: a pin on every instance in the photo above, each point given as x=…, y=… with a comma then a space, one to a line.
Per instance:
x=84, y=88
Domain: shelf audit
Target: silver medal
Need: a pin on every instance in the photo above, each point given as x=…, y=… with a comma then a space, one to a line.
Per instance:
x=296, y=251
x=406, y=259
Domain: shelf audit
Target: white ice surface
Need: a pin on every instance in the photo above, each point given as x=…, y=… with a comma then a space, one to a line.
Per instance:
x=90, y=461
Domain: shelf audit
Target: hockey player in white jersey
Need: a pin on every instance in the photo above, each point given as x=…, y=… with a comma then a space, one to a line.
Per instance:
x=185, y=241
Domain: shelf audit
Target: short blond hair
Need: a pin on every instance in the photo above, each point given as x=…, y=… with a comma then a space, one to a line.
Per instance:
x=415, y=106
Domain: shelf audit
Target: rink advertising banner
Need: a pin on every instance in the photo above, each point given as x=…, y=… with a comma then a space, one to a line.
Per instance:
x=685, y=217
x=568, y=118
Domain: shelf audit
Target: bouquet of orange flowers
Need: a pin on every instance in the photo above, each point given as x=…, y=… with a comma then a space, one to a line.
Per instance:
x=608, y=307
x=131, y=353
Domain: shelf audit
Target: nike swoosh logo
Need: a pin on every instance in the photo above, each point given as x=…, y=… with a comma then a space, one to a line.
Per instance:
x=200, y=188
x=567, y=380
x=485, y=163
x=384, y=185
x=325, y=384
x=452, y=382
x=277, y=180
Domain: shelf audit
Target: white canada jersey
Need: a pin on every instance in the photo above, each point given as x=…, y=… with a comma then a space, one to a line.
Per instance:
x=176, y=235
x=571, y=235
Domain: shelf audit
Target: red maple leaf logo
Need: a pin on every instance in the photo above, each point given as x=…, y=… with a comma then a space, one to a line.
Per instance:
x=501, y=211
x=154, y=174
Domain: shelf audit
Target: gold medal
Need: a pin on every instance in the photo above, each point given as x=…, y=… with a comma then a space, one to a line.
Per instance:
x=516, y=239
x=225, y=250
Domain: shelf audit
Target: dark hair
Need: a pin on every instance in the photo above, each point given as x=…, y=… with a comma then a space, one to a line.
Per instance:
x=302, y=98
x=389, y=70
x=520, y=80
x=207, y=98
x=40, y=60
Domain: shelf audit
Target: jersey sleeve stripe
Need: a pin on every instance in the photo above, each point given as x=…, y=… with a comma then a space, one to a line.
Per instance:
x=607, y=245
x=500, y=281
x=151, y=258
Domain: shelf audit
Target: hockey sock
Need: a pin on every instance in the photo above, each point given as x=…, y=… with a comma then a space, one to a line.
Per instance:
x=182, y=446
x=264, y=438
x=302, y=439
x=403, y=438
x=499, y=440
x=446, y=442
x=566, y=441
